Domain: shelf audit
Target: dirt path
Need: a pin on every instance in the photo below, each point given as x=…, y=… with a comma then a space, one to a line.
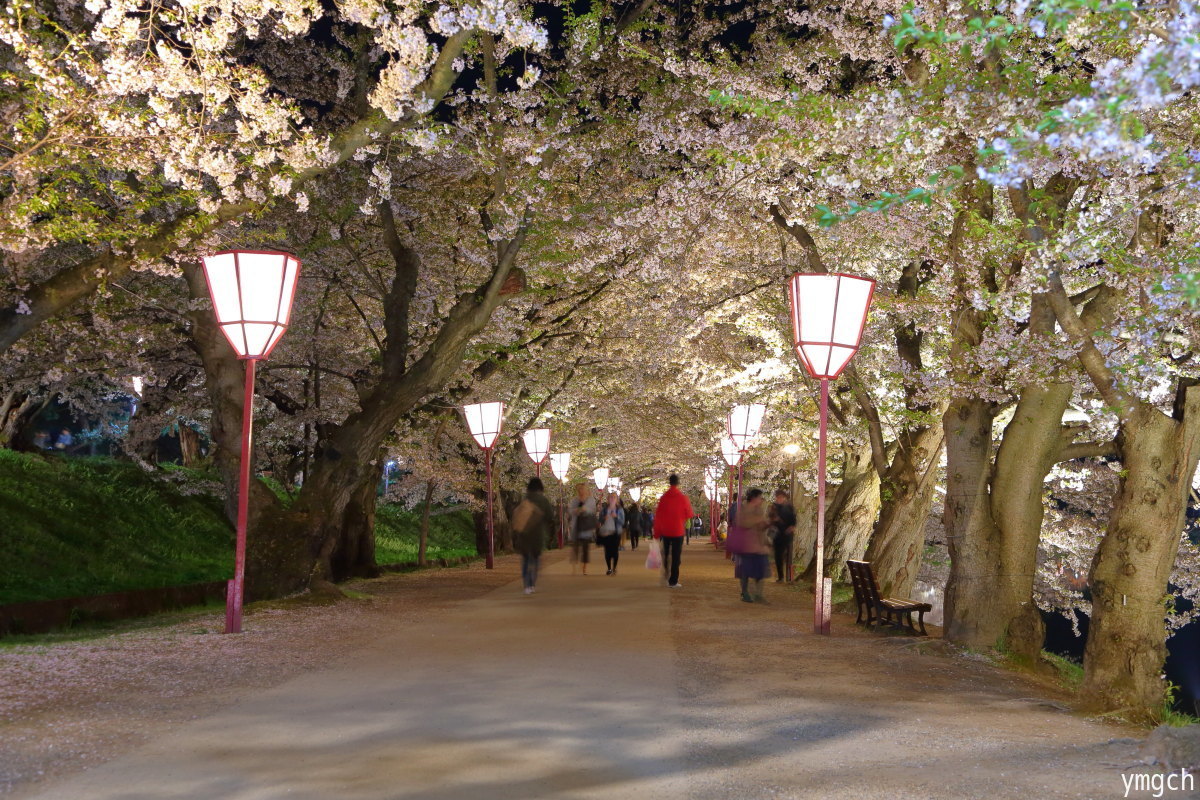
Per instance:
x=453, y=684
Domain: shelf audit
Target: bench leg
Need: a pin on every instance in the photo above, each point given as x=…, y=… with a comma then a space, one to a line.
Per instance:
x=921, y=621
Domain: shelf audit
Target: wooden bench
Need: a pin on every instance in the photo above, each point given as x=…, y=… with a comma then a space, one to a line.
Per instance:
x=881, y=609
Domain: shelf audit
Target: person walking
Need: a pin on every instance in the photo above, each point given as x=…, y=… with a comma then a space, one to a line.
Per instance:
x=633, y=519
x=674, y=509
x=531, y=527
x=722, y=528
x=753, y=549
x=782, y=517
x=612, y=522
x=584, y=522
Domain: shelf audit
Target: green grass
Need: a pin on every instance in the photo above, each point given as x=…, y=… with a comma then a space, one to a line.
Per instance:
x=398, y=533
x=1070, y=673
x=74, y=527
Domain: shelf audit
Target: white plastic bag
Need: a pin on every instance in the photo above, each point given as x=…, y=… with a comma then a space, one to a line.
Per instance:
x=653, y=555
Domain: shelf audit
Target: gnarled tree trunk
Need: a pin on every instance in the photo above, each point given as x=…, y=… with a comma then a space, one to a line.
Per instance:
x=907, y=495
x=852, y=511
x=1126, y=643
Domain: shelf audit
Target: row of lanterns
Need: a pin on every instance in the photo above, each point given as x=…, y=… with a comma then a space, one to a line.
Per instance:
x=486, y=420
x=252, y=293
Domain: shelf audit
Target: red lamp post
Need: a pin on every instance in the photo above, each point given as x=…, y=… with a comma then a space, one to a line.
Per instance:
x=829, y=312
x=733, y=457
x=537, y=445
x=711, y=476
x=252, y=294
x=485, y=420
x=560, y=463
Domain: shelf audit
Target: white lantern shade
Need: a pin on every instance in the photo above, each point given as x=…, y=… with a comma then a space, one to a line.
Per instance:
x=712, y=475
x=485, y=421
x=252, y=293
x=560, y=464
x=730, y=451
x=635, y=492
x=600, y=476
x=537, y=444
x=744, y=424
x=829, y=312
x=792, y=450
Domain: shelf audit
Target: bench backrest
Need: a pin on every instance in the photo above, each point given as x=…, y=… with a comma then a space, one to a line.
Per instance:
x=866, y=590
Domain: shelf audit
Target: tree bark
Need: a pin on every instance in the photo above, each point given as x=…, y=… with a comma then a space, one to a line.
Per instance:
x=1126, y=643
x=907, y=488
x=16, y=412
x=852, y=512
x=1029, y=448
x=353, y=553
x=189, y=444
x=971, y=533
x=422, y=546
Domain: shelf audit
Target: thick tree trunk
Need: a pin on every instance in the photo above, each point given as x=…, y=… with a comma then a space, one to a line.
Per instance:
x=354, y=553
x=907, y=495
x=16, y=411
x=804, y=547
x=1126, y=643
x=1029, y=449
x=971, y=533
x=852, y=512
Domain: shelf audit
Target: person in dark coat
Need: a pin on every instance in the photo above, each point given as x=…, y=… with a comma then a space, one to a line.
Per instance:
x=782, y=517
x=530, y=538
x=633, y=518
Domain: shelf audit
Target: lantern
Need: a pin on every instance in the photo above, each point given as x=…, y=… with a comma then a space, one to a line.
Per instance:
x=252, y=297
x=537, y=445
x=560, y=463
x=251, y=294
x=600, y=476
x=635, y=493
x=485, y=421
x=744, y=424
x=829, y=312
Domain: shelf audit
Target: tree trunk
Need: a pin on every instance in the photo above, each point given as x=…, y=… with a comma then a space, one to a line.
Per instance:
x=424, y=543
x=907, y=495
x=852, y=512
x=1028, y=451
x=353, y=554
x=804, y=547
x=971, y=533
x=189, y=445
x=1126, y=643
x=16, y=412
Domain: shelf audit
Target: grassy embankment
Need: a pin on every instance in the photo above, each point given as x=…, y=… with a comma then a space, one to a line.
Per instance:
x=76, y=527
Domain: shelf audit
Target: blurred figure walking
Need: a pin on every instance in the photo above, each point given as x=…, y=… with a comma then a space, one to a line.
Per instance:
x=782, y=517
x=673, y=511
x=584, y=522
x=750, y=544
x=531, y=527
x=612, y=522
x=633, y=520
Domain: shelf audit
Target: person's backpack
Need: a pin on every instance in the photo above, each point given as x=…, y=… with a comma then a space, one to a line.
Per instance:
x=525, y=516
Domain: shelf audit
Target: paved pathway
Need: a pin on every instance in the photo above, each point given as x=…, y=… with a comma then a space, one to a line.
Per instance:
x=614, y=687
